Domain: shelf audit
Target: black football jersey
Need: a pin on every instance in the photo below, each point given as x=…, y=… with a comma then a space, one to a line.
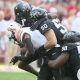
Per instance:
x=54, y=24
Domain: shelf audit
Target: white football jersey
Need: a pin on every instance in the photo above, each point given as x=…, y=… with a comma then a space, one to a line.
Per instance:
x=36, y=37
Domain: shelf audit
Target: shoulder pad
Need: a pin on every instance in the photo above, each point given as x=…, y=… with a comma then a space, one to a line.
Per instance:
x=71, y=36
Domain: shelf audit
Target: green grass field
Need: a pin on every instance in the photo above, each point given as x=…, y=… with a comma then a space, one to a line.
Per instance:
x=16, y=76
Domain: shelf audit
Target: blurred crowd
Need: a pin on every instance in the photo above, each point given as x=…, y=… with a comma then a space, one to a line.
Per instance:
x=68, y=11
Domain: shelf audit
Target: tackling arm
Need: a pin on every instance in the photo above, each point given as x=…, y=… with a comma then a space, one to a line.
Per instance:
x=28, y=43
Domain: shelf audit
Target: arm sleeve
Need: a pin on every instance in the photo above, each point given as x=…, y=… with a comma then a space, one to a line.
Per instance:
x=28, y=44
x=45, y=26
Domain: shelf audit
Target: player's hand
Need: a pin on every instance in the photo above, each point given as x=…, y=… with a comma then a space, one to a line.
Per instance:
x=14, y=60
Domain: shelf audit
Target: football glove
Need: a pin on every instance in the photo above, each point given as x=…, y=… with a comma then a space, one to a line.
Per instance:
x=14, y=59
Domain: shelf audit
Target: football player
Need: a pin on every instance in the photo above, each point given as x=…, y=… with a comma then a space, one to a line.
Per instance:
x=51, y=41
x=22, y=11
x=54, y=31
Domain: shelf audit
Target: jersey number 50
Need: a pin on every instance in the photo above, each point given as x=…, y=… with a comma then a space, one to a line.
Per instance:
x=59, y=26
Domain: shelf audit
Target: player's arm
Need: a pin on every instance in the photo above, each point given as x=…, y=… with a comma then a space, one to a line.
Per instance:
x=29, y=59
x=28, y=43
x=51, y=39
x=26, y=39
x=22, y=57
x=49, y=33
x=23, y=51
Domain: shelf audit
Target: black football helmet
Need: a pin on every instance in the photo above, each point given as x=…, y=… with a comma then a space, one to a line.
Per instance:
x=22, y=11
x=38, y=13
